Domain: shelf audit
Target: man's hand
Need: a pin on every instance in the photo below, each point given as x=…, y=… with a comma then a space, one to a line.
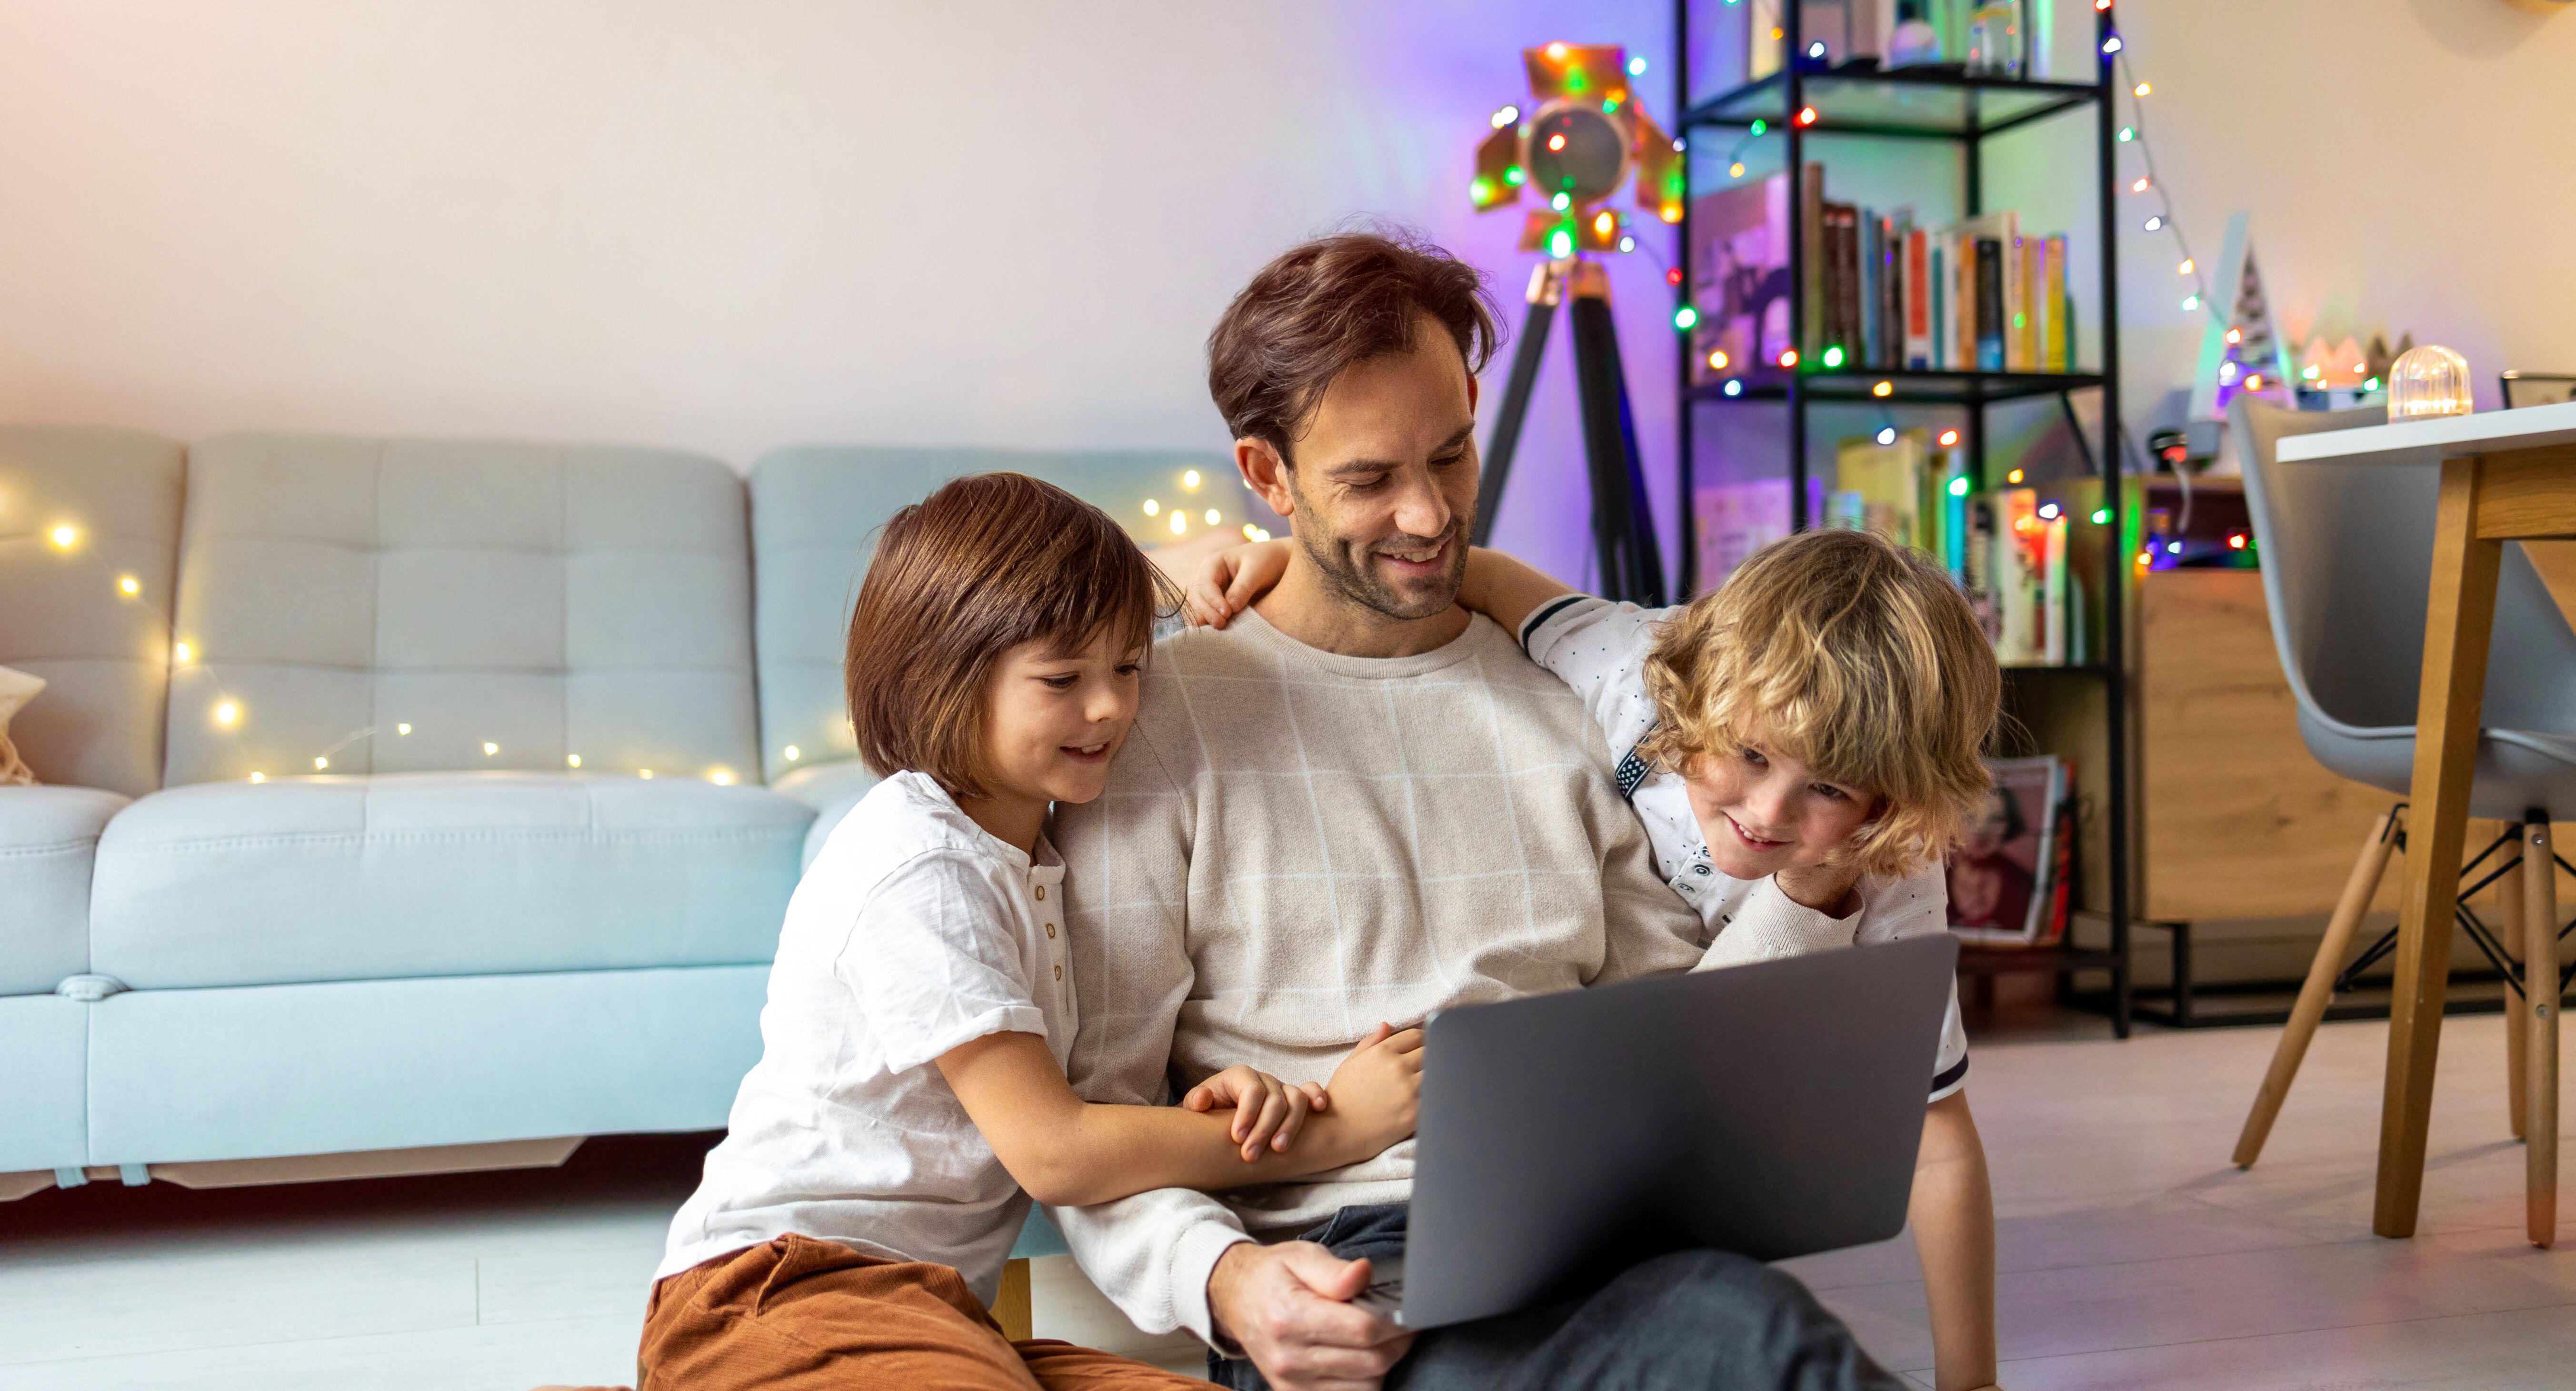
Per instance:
x=1288, y=1306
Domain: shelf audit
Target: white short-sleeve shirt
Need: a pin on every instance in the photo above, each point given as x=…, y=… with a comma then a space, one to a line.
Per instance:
x=1599, y=648
x=914, y=931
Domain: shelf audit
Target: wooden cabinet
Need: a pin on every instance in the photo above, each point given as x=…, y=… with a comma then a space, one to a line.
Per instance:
x=2237, y=820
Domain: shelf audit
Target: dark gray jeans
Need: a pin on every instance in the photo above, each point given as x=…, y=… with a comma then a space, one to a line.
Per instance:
x=1686, y=1321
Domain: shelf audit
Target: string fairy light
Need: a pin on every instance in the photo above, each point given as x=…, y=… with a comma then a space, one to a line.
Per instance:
x=2198, y=299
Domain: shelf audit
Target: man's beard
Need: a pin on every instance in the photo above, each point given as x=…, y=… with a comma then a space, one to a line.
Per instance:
x=1349, y=574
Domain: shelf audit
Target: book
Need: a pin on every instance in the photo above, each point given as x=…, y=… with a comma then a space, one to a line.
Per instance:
x=2024, y=302
x=1989, y=315
x=1811, y=260
x=2001, y=874
x=1733, y=520
x=1740, y=265
x=2057, y=342
x=2016, y=584
x=1871, y=287
x=1842, y=280
x=2053, y=591
x=1886, y=483
x=1918, y=297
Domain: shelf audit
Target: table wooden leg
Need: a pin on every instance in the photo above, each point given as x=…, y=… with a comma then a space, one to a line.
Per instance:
x=2540, y=1007
x=2459, y=618
x=2517, y=1020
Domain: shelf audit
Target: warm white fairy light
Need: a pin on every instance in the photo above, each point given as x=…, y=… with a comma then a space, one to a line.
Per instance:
x=792, y=753
x=1213, y=518
x=182, y=653
x=128, y=586
x=64, y=536
x=644, y=773
x=1180, y=523
x=1190, y=479
x=490, y=748
x=227, y=713
x=259, y=777
x=1153, y=508
x=721, y=777
x=402, y=729
x=321, y=763
x=572, y=760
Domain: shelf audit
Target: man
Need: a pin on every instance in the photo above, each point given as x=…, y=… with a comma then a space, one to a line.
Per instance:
x=1357, y=804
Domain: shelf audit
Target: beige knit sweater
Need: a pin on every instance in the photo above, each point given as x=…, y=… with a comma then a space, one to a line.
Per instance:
x=1295, y=845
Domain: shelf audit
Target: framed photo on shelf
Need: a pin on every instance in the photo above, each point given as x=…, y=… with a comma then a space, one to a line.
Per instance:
x=2001, y=876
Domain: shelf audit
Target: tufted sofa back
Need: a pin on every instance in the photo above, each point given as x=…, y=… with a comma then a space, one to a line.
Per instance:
x=65, y=613
x=509, y=605
x=815, y=514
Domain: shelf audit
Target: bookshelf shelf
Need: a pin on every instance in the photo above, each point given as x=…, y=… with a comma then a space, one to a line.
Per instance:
x=1946, y=115
x=1908, y=386
x=1903, y=103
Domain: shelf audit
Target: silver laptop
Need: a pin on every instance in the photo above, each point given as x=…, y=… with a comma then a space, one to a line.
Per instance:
x=1772, y=1110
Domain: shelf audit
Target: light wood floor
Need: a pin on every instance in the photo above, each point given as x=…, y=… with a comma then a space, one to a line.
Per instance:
x=2132, y=1254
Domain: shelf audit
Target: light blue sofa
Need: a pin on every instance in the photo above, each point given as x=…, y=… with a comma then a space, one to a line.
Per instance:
x=433, y=804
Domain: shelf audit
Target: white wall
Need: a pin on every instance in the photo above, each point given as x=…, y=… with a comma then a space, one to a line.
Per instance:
x=2406, y=163
x=731, y=226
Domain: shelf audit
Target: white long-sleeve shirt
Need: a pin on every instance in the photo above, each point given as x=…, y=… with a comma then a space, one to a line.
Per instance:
x=1295, y=846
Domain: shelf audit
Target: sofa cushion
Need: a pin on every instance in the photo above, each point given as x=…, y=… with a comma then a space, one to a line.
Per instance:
x=831, y=789
x=439, y=874
x=815, y=514
x=511, y=606
x=48, y=836
x=104, y=653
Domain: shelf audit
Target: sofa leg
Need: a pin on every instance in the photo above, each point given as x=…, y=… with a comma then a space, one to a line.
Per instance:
x=1011, y=1304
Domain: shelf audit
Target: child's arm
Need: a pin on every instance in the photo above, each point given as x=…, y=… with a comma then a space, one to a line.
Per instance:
x=1497, y=585
x=1506, y=589
x=1954, y=1234
x=1069, y=1153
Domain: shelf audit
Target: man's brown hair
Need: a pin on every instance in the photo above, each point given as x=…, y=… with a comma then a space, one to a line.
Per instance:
x=960, y=578
x=1330, y=303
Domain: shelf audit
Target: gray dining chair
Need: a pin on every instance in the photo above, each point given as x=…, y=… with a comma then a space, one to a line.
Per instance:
x=2347, y=553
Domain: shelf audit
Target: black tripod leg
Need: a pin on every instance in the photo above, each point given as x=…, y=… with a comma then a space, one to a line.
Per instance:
x=1507, y=420
x=1610, y=456
x=1641, y=508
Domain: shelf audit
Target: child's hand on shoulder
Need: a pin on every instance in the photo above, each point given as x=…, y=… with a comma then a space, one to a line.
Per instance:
x=1231, y=579
x=1826, y=888
x=1377, y=1090
x=1267, y=1112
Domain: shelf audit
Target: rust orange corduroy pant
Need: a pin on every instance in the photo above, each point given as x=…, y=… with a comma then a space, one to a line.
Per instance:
x=798, y=1313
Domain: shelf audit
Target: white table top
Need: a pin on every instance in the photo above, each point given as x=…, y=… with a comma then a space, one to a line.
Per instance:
x=2440, y=437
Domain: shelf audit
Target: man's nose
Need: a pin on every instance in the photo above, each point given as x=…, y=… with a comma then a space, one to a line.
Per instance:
x=1420, y=510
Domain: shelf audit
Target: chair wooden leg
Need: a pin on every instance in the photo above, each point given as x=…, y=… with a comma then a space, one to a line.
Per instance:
x=2318, y=992
x=1011, y=1302
x=2511, y=930
x=2540, y=1006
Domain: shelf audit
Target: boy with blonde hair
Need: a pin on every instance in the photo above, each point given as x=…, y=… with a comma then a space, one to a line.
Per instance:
x=1801, y=745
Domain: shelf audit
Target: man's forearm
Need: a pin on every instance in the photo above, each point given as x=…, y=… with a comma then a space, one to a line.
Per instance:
x=1152, y=1254
x=1953, y=1214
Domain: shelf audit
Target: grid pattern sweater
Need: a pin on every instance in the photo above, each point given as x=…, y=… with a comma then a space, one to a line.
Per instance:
x=1296, y=845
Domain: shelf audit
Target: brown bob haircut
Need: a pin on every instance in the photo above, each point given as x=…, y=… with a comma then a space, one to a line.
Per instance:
x=960, y=578
x=1323, y=306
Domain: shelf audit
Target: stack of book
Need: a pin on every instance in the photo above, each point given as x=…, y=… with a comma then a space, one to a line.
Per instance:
x=2006, y=547
x=1881, y=292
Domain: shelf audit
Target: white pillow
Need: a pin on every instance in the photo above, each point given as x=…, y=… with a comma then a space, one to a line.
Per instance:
x=16, y=689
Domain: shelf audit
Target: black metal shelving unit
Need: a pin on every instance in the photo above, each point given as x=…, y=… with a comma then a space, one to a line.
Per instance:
x=1803, y=100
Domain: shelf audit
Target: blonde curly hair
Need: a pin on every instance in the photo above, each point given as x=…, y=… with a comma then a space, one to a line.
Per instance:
x=1856, y=656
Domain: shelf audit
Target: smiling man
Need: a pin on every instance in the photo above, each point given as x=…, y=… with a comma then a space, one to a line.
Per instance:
x=1360, y=803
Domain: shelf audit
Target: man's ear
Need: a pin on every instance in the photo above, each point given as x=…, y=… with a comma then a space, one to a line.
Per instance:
x=1266, y=474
